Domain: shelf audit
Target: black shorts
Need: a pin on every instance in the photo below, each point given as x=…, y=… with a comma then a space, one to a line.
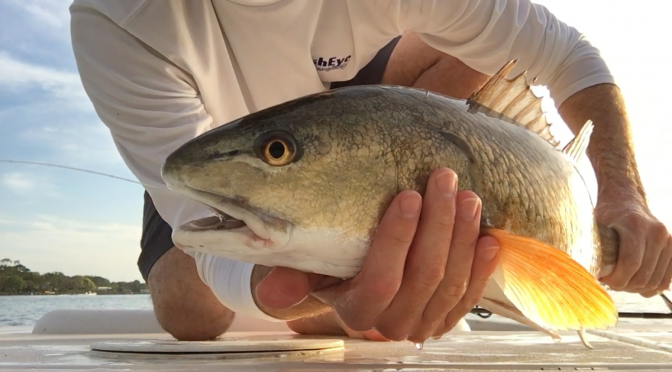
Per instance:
x=156, y=233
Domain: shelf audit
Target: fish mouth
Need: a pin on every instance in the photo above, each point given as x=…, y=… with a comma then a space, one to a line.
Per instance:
x=231, y=216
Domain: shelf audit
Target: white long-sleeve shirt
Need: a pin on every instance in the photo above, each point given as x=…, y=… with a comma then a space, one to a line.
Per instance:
x=160, y=73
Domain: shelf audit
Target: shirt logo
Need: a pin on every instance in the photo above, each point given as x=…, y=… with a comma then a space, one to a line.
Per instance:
x=332, y=63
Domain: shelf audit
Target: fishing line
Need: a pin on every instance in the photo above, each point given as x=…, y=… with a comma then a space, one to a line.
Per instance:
x=483, y=313
x=12, y=161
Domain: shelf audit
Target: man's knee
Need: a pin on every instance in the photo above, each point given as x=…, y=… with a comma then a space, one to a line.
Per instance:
x=413, y=63
x=184, y=306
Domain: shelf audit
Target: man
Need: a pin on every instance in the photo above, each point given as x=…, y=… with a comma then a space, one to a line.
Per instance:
x=160, y=73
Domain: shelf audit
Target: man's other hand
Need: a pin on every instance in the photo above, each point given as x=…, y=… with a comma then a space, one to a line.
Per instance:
x=644, y=263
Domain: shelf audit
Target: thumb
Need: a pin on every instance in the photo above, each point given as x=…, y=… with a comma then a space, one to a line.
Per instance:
x=326, y=288
x=283, y=288
x=330, y=295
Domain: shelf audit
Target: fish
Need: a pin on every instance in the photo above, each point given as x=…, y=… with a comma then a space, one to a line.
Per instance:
x=303, y=184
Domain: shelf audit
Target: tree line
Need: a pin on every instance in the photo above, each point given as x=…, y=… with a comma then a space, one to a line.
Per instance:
x=16, y=279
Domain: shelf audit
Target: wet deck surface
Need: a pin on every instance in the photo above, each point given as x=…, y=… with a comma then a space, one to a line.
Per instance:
x=476, y=350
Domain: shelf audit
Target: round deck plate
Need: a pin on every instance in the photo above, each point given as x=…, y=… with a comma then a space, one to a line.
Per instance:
x=252, y=344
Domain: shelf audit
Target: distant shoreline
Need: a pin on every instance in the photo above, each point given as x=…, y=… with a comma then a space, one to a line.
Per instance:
x=66, y=294
x=18, y=280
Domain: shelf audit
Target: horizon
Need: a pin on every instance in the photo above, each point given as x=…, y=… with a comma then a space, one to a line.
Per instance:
x=58, y=220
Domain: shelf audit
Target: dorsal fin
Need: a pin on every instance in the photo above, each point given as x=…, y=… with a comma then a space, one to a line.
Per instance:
x=512, y=101
x=576, y=148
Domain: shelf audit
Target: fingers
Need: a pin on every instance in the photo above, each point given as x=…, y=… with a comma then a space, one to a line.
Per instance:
x=629, y=259
x=485, y=263
x=325, y=324
x=329, y=324
x=283, y=288
x=653, y=244
x=665, y=262
x=644, y=254
x=655, y=282
x=361, y=300
x=426, y=262
x=459, y=267
x=371, y=334
x=667, y=279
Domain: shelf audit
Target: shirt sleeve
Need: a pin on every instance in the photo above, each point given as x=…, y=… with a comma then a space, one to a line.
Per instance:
x=150, y=106
x=486, y=34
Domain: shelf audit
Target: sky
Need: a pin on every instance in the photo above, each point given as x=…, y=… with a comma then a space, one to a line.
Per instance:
x=82, y=224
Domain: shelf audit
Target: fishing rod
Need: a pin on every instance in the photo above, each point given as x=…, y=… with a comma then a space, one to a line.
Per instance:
x=485, y=314
x=667, y=301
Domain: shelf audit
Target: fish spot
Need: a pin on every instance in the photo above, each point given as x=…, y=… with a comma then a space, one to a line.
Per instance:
x=421, y=182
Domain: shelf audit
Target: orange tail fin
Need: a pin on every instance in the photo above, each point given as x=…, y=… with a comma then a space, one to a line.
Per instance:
x=549, y=287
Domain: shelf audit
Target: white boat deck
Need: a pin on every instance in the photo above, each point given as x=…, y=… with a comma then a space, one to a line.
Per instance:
x=491, y=345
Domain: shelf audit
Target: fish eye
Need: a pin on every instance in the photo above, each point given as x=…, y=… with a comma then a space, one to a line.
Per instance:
x=276, y=148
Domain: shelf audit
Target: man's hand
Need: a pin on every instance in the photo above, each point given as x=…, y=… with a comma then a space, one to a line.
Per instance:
x=645, y=250
x=330, y=324
x=644, y=264
x=419, y=278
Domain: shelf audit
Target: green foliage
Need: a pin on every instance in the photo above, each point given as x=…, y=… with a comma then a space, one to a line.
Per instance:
x=18, y=279
x=12, y=284
x=100, y=282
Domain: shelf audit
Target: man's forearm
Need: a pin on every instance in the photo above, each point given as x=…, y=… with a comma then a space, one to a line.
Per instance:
x=611, y=149
x=309, y=307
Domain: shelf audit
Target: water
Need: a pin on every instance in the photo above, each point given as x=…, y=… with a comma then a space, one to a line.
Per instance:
x=26, y=310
